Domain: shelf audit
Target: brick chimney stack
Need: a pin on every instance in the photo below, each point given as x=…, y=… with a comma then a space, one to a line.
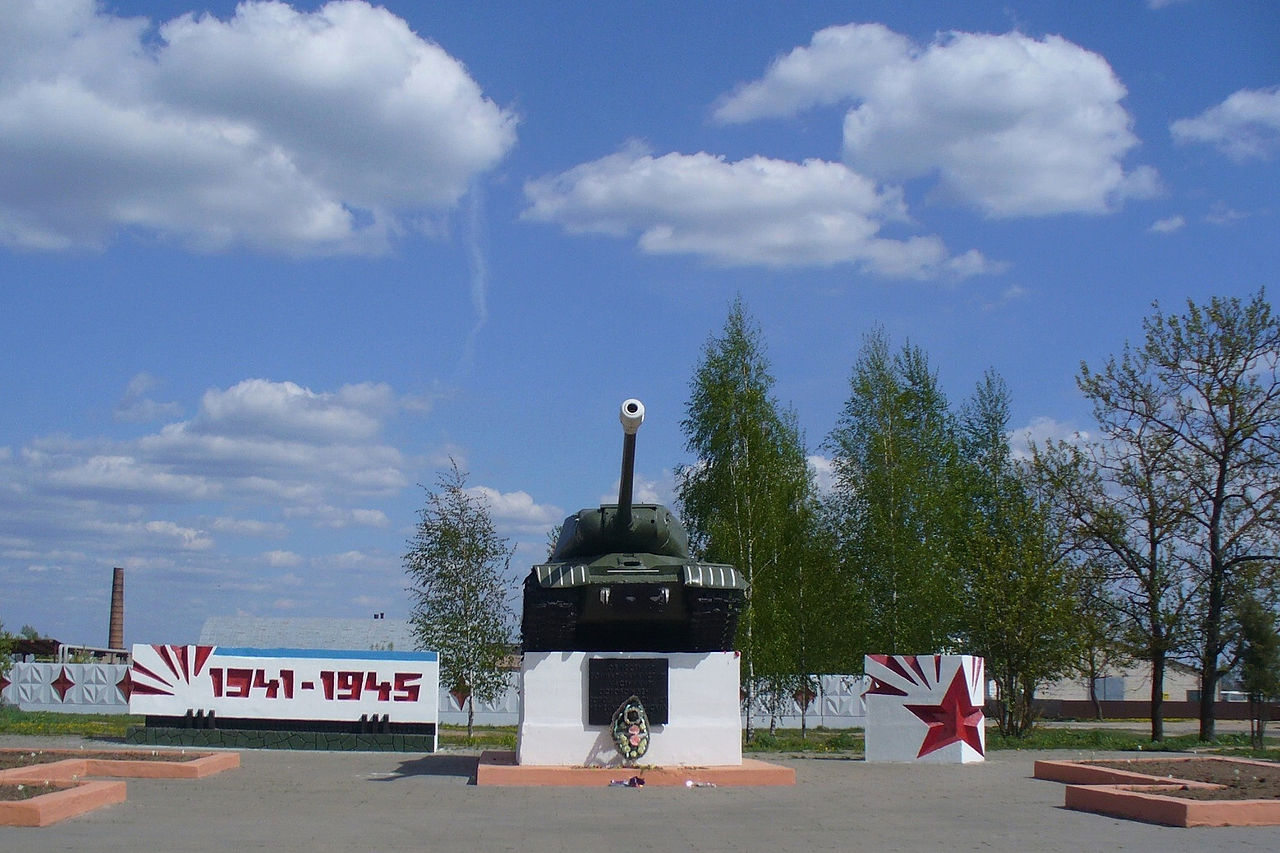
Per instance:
x=115, y=631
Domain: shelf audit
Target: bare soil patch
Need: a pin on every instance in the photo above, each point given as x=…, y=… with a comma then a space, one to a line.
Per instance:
x=27, y=790
x=30, y=758
x=1242, y=780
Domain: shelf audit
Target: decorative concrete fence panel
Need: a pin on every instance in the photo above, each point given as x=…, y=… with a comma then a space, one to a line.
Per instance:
x=74, y=688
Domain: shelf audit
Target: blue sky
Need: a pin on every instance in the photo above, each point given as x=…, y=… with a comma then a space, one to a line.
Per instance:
x=264, y=268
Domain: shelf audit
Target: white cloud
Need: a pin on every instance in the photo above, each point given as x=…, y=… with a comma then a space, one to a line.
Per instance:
x=1039, y=432
x=280, y=130
x=339, y=518
x=155, y=534
x=824, y=473
x=1246, y=126
x=1220, y=213
x=1168, y=225
x=56, y=485
x=517, y=511
x=249, y=527
x=163, y=502
x=127, y=476
x=755, y=211
x=282, y=559
x=646, y=490
x=263, y=408
x=136, y=407
x=1008, y=124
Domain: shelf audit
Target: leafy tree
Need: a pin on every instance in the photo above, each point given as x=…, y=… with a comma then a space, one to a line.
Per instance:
x=1101, y=648
x=1020, y=609
x=807, y=609
x=1126, y=509
x=553, y=536
x=745, y=499
x=1259, y=662
x=6, y=650
x=894, y=508
x=1204, y=386
x=456, y=564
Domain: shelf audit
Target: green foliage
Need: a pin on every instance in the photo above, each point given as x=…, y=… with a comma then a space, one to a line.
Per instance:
x=483, y=737
x=6, y=650
x=820, y=741
x=1124, y=511
x=553, y=536
x=456, y=564
x=1259, y=661
x=895, y=505
x=48, y=723
x=749, y=502
x=1117, y=740
x=1020, y=609
x=1204, y=392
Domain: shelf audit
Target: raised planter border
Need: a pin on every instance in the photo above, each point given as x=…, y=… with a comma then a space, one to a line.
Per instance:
x=85, y=796
x=74, y=767
x=1137, y=796
x=499, y=768
x=59, y=805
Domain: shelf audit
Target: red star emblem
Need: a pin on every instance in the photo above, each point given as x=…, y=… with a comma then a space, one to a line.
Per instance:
x=125, y=685
x=954, y=720
x=4, y=682
x=62, y=684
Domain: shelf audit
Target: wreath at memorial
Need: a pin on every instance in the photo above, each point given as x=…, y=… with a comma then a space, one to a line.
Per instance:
x=631, y=729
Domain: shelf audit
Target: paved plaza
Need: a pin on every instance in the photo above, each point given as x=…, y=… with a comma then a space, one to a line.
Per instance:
x=318, y=801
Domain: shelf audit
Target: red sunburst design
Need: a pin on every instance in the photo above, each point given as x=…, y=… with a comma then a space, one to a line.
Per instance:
x=62, y=684
x=954, y=720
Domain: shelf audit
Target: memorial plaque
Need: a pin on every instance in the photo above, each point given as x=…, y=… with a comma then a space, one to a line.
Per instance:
x=611, y=681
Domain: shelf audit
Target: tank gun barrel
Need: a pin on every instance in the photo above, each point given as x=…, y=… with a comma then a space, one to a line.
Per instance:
x=631, y=415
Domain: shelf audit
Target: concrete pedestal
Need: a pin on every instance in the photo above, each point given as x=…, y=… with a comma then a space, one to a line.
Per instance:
x=925, y=708
x=703, y=727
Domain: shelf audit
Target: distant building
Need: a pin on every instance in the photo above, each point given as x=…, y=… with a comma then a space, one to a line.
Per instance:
x=259, y=632
x=1127, y=685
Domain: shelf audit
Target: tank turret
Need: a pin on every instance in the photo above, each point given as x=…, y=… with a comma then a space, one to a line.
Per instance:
x=621, y=578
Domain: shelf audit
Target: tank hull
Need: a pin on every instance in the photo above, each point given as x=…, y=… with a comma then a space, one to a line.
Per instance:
x=621, y=578
x=632, y=602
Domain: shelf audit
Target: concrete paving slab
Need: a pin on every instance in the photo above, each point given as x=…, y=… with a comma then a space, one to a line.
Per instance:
x=313, y=801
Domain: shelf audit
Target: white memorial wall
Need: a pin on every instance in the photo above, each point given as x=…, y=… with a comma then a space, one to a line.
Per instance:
x=703, y=725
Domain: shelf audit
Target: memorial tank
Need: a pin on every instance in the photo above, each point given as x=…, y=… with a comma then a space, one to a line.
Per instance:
x=621, y=578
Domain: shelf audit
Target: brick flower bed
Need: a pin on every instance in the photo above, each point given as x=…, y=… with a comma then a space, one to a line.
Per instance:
x=1195, y=791
x=62, y=772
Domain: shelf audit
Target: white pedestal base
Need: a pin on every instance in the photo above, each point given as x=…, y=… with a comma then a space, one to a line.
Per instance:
x=925, y=708
x=704, y=727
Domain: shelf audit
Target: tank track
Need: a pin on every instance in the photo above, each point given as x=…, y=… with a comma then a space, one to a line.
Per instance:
x=550, y=619
x=713, y=618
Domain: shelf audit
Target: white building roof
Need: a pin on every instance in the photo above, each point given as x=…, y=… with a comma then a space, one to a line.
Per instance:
x=258, y=632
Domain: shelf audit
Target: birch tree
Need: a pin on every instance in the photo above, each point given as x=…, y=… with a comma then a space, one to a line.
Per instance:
x=744, y=499
x=1021, y=608
x=894, y=507
x=456, y=564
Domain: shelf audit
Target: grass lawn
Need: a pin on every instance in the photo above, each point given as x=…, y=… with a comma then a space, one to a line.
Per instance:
x=816, y=741
x=47, y=723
